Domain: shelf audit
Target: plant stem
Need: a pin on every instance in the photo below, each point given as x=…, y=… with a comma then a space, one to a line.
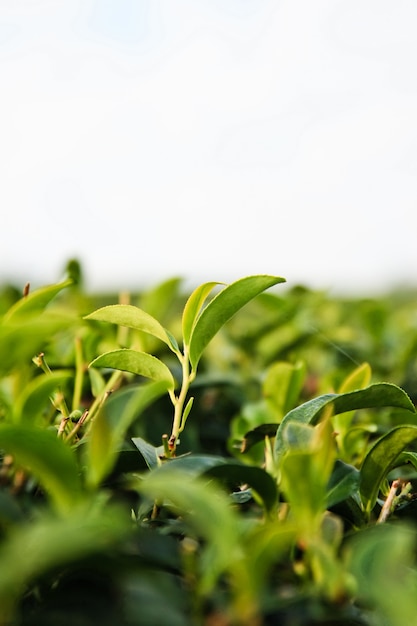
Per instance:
x=187, y=378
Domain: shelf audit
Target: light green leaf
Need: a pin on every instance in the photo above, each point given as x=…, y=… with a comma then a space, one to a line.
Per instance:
x=35, y=302
x=48, y=458
x=207, y=509
x=111, y=424
x=358, y=379
x=35, y=398
x=380, y=459
x=133, y=317
x=374, y=396
x=382, y=561
x=282, y=386
x=193, y=307
x=136, y=362
x=223, y=306
x=22, y=338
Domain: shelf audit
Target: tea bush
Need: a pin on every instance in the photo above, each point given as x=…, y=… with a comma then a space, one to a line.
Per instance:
x=229, y=456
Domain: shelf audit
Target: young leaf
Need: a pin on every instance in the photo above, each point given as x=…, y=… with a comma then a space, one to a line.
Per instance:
x=49, y=542
x=208, y=510
x=358, y=379
x=35, y=302
x=36, y=396
x=111, y=424
x=192, y=308
x=379, y=460
x=223, y=306
x=48, y=458
x=135, y=362
x=133, y=317
x=374, y=396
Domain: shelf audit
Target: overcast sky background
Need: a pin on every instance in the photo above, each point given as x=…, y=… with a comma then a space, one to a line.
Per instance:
x=209, y=139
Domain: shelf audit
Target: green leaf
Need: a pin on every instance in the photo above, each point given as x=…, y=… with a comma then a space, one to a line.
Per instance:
x=22, y=338
x=48, y=458
x=149, y=452
x=193, y=307
x=111, y=424
x=254, y=436
x=223, y=306
x=136, y=362
x=382, y=561
x=133, y=317
x=48, y=542
x=358, y=379
x=35, y=302
x=239, y=474
x=380, y=459
x=374, y=396
x=343, y=483
x=282, y=386
x=207, y=510
x=36, y=396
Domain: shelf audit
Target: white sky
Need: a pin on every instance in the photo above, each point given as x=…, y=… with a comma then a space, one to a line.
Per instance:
x=209, y=139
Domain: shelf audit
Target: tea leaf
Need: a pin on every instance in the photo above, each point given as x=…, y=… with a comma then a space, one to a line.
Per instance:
x=133, y=317
x=379, y=460
x=36, y=396
x=111, y=424
x=207, y=509
x=48, y=458
x=135, y=362
x=343, y=483
x=35, y=302
x=223, y=306
x=34, y=548
x=374, y=396
x=192, y=308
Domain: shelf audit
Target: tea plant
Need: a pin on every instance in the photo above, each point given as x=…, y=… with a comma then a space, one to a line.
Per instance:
x=227, y=465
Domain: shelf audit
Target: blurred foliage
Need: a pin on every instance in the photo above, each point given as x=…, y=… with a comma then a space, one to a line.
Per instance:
x=289, y=495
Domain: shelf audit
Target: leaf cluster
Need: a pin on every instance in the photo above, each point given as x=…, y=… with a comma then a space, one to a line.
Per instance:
x=233, y=455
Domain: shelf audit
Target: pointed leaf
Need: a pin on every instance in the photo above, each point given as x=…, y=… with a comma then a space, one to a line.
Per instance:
x=358, y=379
x=208, y=510
x=193, y=307
x=149, y=452
x=343, y=483
x=48, y=458
x=240, y=474
x=375, y=396
x=111, y=424
x=50, y=542
x=380, y=459
x=136, y=362
x=35, y=302
x=36, y=395
x=223, y=306
x=132, y=317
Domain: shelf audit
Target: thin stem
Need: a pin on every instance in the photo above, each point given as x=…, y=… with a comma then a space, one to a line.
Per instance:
x=79, y=375
x=187, y=378
x=58, y=400
x=112, y=384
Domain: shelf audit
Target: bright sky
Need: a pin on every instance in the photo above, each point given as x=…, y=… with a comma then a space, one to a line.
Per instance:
x=209, y=139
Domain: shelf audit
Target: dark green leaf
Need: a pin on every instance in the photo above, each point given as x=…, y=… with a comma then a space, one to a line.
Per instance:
x=374, y=396
x=343, y=484
x=380, y=459
x=50, y=460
